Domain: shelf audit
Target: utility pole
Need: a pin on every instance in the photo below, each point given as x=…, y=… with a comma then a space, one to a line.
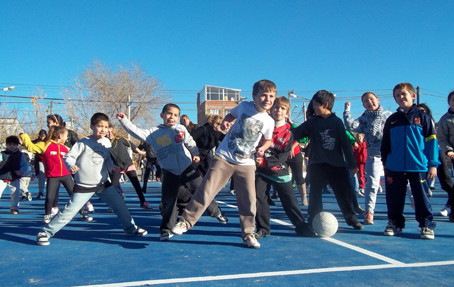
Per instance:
x=418, y=94
x=291, y=95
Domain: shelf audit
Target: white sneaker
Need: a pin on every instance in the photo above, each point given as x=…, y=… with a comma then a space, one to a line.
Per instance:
x=445, y=211
x=180, y=228
x=89, y=207
x=251, y=242
x=54, y=211
x=42, y=239
x=47, y=218
x=86, y=217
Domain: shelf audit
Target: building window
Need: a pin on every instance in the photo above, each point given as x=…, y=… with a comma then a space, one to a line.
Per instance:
x=214, y=111
x=226, y=112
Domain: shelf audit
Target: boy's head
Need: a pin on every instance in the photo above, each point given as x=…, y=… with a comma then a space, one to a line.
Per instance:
x=263, y=93
x=12, y=142
x=99, y=124
x=370, y=101
x=280, y=109
x=451, y=100
x=323, y=102
x=404, y=95
x=170, y=114
x=425, y=108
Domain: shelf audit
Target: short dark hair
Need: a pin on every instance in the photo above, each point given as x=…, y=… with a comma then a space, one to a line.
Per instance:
x=404, y=86
x=322, y=97
x=97, y=117
x=426, y=109
x=450, y=95
x=264, y=85
x=169, y=105
x=12, y=140
x=42, y=132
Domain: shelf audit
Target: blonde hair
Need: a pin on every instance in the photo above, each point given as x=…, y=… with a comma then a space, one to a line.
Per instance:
x=214, y=119
x=282, y=102
x=54, y=132
x=264, y=85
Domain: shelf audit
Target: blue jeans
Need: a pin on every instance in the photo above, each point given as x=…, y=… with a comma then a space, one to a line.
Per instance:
x=78, y=200
x=373, y=169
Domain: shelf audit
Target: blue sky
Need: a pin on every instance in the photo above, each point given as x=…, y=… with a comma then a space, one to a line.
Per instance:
x=346, y=47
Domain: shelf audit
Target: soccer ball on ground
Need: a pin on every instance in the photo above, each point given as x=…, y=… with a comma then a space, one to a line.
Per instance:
x=325, y=224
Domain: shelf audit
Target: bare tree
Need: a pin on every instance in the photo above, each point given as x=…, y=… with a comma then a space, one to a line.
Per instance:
x=102, y=89
x=9, y=124
x=35, y=119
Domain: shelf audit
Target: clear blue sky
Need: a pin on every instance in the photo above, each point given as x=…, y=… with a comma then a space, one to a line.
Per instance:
x=302, y=45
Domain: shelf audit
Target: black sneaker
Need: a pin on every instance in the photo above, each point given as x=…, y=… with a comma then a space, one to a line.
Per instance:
x=260, y=234
x=274, y=196
x=271, y=202
x=359, y=210
x=40, y=196
x=356, y=225
x=222, y=218
x=165, y=236
x=305, y=230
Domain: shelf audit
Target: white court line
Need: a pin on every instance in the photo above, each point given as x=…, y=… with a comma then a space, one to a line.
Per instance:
x=392, y=264
x=338, y=242
x=274, y=273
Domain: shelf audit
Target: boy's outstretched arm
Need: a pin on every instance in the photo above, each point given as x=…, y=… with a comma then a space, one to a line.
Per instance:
x=132, y=129
x=226, y=122
x=350, y=123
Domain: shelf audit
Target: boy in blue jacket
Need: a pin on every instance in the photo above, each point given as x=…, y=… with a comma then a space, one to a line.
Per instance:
x=409, y=153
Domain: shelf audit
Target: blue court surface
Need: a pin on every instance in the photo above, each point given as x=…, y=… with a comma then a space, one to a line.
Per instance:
x=98, y=253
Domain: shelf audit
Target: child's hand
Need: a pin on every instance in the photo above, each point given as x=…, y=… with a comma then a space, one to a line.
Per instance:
x=354, y=170
x=356, y=145
x=121, y=116
x=348, y=104
x=196, y=158
x=116, y=169
x=259, y=161
x=18, y=173
x=291, y=154
x=260, y=152
x=432, y=173
x=74, y=169
x=450, y=155
x=225, y=125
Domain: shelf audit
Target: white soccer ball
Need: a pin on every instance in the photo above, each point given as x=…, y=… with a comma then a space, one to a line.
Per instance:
x=325, y=224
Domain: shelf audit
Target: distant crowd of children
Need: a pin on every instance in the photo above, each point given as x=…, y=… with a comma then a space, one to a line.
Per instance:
x=254, y=145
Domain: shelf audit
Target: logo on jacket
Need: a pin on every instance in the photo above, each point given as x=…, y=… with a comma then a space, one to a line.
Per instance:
x=164, y=140
x=327, y=141
x=418, y=121
x=53, y=153
x=179, y=137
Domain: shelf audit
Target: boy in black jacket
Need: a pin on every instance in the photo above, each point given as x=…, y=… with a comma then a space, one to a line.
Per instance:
x=13, y=165
x=273, y=169
x=329, y=149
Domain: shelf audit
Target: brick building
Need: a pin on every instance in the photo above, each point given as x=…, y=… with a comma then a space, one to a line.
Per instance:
x=216, y=101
